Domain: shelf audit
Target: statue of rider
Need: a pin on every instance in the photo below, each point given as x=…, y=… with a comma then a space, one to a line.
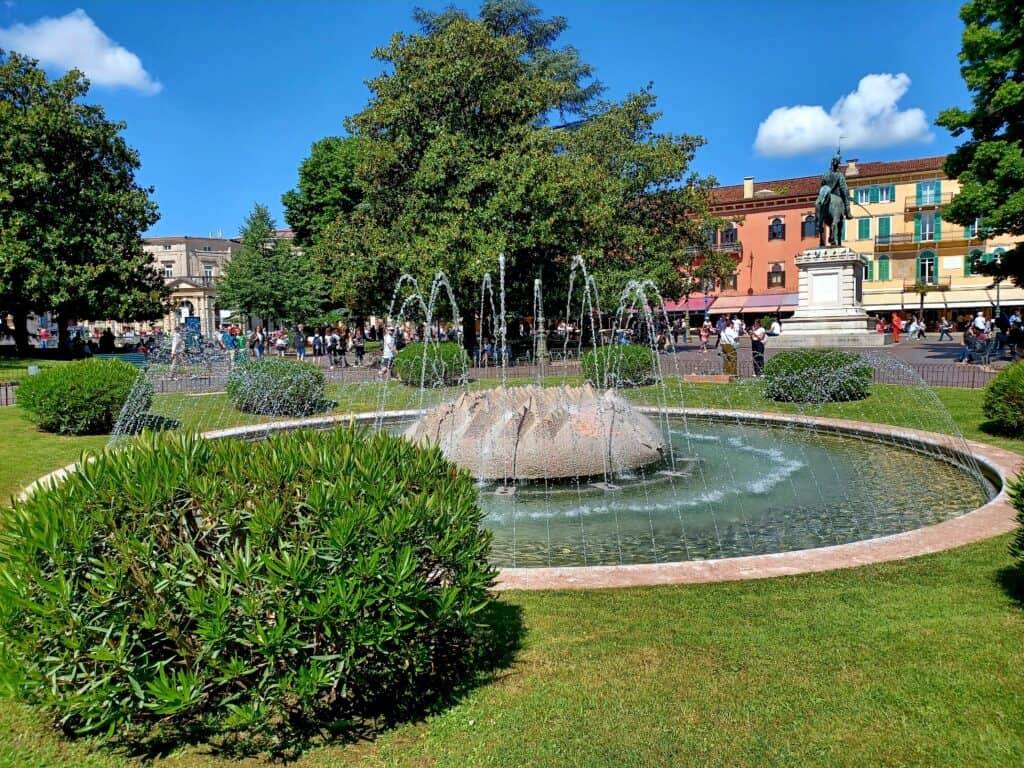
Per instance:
x=833, y=204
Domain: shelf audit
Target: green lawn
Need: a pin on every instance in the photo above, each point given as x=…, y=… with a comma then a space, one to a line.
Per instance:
x=907, y=663
x=16, y=368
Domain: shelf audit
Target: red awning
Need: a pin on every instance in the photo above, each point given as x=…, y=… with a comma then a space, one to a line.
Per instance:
x=729, y=304
x=692, y=304
x=782, y=301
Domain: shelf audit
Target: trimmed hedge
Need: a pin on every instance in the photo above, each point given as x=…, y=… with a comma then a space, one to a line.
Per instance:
x=84, y=397
x=447, y=364
x=816, y=376
x=252, y=592
x=276, y=387
x=1003, y=403
x=620, y=365
x=1016, y=492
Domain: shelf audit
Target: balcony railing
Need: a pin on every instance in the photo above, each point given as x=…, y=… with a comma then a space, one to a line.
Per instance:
x=734, y=248
x=941, y=283
x=919, y=202
x=204, y=281
x=925, y=240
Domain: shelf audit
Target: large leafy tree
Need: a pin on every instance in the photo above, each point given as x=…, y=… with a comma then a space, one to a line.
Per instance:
x=71, y=212
x=326, y=188
x=457, y=166
x=269, y=278
x=990, y=164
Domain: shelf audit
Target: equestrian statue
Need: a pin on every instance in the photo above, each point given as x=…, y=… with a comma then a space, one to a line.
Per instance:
x=832, y=207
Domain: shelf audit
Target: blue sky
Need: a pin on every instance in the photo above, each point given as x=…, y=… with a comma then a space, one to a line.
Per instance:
x=223, y=99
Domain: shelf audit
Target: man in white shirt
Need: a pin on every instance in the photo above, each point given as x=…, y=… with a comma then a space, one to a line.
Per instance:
x=387, y=357
x=979, y=321
x=729, y=339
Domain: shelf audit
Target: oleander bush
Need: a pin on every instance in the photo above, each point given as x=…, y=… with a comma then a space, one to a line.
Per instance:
x=1003, y=403
x=276, y=387
x=620, y=365
x=1016, y=493
x=816, y=376
x=447, y=364
x=246, y=593
x=84, y=397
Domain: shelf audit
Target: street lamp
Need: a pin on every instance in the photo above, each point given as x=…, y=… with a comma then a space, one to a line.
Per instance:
x=997, y=280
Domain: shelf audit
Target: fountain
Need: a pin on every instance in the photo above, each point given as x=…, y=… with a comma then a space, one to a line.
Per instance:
x=573, y=475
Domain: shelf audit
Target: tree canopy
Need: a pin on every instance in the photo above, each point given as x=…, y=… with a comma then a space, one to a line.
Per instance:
x=326, y=188
x=990, y=164
x=268, y=278
x=71, y=212
x=457, y=165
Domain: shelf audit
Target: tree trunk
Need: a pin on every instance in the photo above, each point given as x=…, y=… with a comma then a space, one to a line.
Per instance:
x=21, y=341
x=63, y=337
x=469, y=341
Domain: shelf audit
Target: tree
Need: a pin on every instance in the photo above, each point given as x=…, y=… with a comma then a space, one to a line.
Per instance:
x=71, y=213
x=990, y=164
x=456, y=167
x=521, y=18
x=268, y=278
x=326, y=188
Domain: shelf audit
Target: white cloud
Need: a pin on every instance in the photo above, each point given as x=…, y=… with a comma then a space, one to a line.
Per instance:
x=868, y=118
x=74, y=40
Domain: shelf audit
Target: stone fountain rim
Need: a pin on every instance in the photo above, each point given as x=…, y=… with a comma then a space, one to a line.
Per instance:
x=995, y=517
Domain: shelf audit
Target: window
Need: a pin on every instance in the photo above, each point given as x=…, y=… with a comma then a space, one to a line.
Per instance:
x=707, y=286
x=928, y=192
x=712, y=235
x=869, y=271
x=729, y=236
x=926, y=271
x=729, y=283
x=973, y=231
x=206, y=248
x=863, y=195
x=168, y=269
x=810, y=227
x=925, y=228
x=776, y=230
x=864, y=228
x=886, y=194
x=777, y=275
x=975, y=257
x=207, y=270
x=884, y=234
x=167, y=247
x=883, y=267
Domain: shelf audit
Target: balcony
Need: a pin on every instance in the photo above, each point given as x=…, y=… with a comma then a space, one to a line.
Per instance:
x=203, y=281
x=951, y=233
x=925, y=202
x=941, y=283
x=735, y=248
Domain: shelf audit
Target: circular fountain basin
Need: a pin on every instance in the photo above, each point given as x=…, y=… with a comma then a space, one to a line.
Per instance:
x=742, y=495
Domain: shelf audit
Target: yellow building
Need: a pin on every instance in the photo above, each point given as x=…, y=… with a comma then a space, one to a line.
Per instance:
x=914, y=255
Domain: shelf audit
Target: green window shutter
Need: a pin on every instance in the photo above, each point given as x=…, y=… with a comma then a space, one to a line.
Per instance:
x=892, y=193
x=873, y=195
x=968, y=231
x=938, y=226
x=920, y=195
x=869, y=271
x=938, y=191
x=917, y=220
x=884, y=226
x=883, y=267
x=863, y=229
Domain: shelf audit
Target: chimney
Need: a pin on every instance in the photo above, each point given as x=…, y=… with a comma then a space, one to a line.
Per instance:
x=748, y=187
x=851, y=167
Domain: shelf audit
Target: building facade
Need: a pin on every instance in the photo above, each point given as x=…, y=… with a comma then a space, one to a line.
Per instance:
x=915, y=260
x=190, y=267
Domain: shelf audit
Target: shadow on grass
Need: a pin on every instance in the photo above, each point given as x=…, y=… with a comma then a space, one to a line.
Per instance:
x=1011, y=579
x=997, y=429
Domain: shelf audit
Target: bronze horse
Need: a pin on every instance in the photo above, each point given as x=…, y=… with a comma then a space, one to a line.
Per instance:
x=832, y=207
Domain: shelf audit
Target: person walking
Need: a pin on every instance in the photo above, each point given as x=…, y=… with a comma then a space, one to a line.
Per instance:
x=705, y=334
x=897, y=326
x=944, y=328
x=729, y=339
x=757, y=336
x=300, y=343
x=387, y=356
x=359, y=345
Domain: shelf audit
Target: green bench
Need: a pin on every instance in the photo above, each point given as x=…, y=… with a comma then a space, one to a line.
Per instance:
x=135, y=358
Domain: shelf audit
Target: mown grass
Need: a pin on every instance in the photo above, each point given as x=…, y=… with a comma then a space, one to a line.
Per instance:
x=16, y=368
x=906, y=663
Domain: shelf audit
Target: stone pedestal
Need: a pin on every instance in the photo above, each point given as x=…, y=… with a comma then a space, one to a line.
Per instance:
x=830, y=312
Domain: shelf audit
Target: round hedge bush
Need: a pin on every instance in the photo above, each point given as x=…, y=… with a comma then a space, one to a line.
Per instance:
x=816, y=376
x=276, y=387
x=447, y=364
x=620, y=365
x=1003, y=404
x=246, y=592
x=84, y=397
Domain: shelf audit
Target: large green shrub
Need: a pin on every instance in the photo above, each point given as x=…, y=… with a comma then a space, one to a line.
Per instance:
x=1016, y=493
x=247, y=590
x=276, y=387
x=447, y=364
x=816, y=376
x=1003, y=403
x=620, y=365
x=84, y=397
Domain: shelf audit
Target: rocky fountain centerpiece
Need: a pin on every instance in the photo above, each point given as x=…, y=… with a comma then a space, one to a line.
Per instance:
x=538, y=433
